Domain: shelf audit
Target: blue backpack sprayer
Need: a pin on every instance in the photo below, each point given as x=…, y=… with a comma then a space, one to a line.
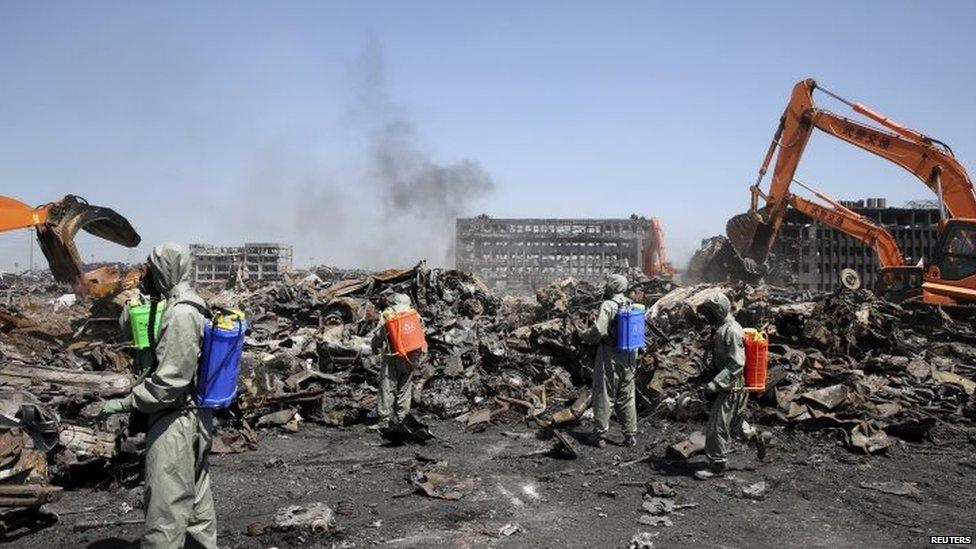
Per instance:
x=220, y=358
x=630, y=327
x=222, y=344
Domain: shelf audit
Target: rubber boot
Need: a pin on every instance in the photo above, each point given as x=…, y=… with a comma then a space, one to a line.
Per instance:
x=713, y=470
x=761, y=442
x=599, y=440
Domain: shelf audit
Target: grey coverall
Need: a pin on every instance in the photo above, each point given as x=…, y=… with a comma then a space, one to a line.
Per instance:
x=729, y=359
x=178, y=501
x=613, y=370
x=396, y=374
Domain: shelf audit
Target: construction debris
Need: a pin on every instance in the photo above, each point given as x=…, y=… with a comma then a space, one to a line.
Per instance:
x=909, y=489
x=689, y=447
x=509, y=529
x=409, y=430
x=440, y=485
x=317, y=518
x=848, y=363
x=642, y=540
x=652, y=520
x=755, y=490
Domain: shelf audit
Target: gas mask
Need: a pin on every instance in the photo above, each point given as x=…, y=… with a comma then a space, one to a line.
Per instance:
x=710, y=314
x=148, y=285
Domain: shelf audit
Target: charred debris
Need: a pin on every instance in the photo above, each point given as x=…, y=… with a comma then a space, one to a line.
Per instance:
x=849, y=363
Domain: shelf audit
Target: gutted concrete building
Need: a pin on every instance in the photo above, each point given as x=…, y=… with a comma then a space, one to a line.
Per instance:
x=267, y=260
x=811, y=255
x=254, y=261
x=520, y=254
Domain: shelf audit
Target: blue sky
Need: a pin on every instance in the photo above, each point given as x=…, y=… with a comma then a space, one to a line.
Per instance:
x=226, y=122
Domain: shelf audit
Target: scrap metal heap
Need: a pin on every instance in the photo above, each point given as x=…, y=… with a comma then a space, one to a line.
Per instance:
x=864, y=368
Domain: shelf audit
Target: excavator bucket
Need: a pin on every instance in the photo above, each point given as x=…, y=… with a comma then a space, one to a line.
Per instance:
x=65, y=219
x=745, y=233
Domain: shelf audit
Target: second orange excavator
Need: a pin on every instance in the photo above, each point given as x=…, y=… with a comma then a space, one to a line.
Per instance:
x=57, y=223
x=949, y=277
x=655, y=255
x=897, y=281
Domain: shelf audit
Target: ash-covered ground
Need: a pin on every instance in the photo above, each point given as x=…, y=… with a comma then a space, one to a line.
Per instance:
x=815, y=493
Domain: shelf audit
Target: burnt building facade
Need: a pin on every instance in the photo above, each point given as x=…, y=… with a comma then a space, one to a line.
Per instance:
x=521, y=254
x=810, y=255
x=253, y=261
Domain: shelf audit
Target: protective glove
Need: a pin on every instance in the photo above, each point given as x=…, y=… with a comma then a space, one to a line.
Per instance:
x=114, y=406
x=711, y=387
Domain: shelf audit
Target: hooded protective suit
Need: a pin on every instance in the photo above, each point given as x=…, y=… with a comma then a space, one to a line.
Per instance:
x=396, y=374
x=613, y=370
x=729, y=359
x=178, y=501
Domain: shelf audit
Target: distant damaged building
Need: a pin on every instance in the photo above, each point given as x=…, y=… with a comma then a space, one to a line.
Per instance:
x=810, y=255
x=520, y=254
x=252, y=261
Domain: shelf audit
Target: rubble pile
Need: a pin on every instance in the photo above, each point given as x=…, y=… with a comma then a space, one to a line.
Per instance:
x=871, y=368
x=848, y=361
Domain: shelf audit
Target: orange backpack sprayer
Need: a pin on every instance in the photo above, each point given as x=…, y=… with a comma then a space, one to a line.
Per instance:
x=406, y=333
x=757, y=360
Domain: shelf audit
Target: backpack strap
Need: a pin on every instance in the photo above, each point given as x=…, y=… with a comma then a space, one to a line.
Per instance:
x=611, y=338
x=153, y=307
x=204, y=309
x=207, y=313
x=153, y=304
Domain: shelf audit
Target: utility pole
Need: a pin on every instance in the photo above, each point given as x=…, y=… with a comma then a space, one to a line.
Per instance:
x=30, y=246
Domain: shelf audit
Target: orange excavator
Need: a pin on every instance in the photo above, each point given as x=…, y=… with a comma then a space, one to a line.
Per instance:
x=655, y=255
x=57, y=223
x=950, y=276
x=897, y=281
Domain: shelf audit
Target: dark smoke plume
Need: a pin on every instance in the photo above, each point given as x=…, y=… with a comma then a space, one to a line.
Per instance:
x=411, y=185
x=401, y=211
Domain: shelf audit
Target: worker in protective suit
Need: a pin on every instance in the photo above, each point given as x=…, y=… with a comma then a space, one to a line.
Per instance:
x=726, y=388
x=178, y=501
x=613, y=370
x=396, y=373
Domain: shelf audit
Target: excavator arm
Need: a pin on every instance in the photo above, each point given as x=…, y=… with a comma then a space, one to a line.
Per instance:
x=655, y=253
x=897, y=281
x=14, y=214
x=753, y=234
x=933, y=165
x=857, y=226
x=57, y=224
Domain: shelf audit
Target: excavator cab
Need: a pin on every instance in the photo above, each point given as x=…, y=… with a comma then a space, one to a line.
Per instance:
x=899, y=283
x=951, y=276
